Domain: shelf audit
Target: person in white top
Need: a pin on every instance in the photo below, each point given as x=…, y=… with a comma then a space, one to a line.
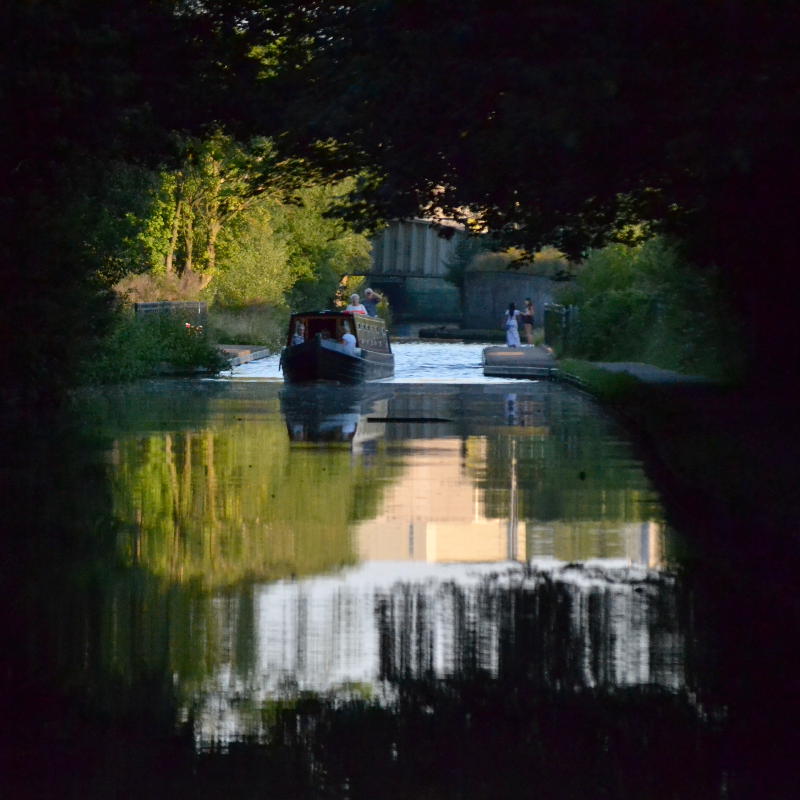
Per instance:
x=511, y=324
x=355, y=306
x=348, y=343
x=345, y=344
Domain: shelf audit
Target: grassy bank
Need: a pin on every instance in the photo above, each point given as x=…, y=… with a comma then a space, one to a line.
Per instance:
x=135, y=347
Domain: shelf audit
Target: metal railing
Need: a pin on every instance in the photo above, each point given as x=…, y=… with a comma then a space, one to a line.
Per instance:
x=560, y=327
x=194, y=312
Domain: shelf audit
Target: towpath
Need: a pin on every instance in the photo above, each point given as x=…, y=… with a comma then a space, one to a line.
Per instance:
x=539, y=361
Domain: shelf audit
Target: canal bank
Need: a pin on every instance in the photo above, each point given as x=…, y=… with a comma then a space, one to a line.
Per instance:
x=720, y=452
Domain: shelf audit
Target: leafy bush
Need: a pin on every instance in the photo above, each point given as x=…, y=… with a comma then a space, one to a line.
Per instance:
x=613, y=324
x=141, y=347
x=645, y=303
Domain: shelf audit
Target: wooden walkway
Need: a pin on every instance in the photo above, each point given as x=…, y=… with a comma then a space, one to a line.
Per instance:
x=517, y=362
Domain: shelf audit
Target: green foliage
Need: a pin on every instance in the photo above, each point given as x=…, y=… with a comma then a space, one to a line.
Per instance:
x=220, y=179
x=288, y=254
x=184, y=212
x=257, y=324
x=612, y=268
x=253, y=264
x=612, y=324
x=124, y=223
x=140, y=347
x=321, y=249
x=645, y=303
x=221, y=227
x=607, y=385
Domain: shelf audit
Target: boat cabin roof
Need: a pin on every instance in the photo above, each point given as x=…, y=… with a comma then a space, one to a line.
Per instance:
x=370, y=332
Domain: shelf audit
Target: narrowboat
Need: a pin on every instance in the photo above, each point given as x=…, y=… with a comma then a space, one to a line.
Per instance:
x=336, y=346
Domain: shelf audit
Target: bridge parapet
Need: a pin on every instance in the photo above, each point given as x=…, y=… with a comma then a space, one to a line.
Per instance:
x=413, y=248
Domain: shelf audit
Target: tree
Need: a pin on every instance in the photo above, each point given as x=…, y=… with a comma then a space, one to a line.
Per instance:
x=253, y=265
x=219, y=180
x=643, y=303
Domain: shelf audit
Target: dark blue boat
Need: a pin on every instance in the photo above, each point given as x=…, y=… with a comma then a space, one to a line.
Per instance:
x=315, y=350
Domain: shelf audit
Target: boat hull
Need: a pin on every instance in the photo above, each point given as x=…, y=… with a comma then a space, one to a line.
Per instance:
x=312, y=361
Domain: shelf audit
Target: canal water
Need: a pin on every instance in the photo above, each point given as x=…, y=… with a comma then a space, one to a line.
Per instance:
x=434, y=586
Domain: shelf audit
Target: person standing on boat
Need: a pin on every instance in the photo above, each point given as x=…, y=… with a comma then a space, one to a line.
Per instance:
x=371, y=302
x=355, y=306
x=527, y=320
x=511, y=324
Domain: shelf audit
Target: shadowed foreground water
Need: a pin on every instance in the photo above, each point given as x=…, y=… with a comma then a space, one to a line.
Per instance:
x=236, y=589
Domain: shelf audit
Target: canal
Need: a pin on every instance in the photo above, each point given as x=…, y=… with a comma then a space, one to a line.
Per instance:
x=434, y=586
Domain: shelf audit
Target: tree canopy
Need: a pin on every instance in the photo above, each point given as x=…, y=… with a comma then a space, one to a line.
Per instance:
x=556, y=122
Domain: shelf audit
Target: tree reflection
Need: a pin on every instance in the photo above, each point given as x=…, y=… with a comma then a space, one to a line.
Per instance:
x=573, y=469
x=229, y=500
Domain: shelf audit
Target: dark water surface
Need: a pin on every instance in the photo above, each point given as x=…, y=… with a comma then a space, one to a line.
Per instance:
x=236, y=589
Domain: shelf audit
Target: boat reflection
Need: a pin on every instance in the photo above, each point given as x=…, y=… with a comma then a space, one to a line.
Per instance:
x=332, y=413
